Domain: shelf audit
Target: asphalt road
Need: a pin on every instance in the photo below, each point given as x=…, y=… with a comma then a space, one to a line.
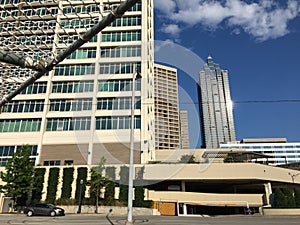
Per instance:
x=20, y=219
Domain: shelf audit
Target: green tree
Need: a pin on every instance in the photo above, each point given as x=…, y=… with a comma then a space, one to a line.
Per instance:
x=39, y=174
x=97, y=181
x=279, y=199
x=109, y=194
x=139, y=189
x=66, y=189
x=124, y=175
x=18, y=176
x=297, y=198
x=52, y=185
x=290, y=201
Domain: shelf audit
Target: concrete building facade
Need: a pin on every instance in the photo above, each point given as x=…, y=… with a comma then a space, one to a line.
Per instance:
x=184, y=129
x=216, y=114
x=167, y=126
x=81, y=110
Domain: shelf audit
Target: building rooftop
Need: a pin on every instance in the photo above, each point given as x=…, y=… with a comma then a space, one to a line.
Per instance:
x=263, y=140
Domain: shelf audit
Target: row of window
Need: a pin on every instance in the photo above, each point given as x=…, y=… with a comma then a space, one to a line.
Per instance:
x=118, y=85
x=37, y=25
x=14, y=71
x=77, y=87
x=117, y=52
x=81, y=9
x=118, y=68
x=73, y=87
x=117, y=103
x=127, y=21
x=76, y=23
x=69, y=124
x=35, y=88
x=66, y=105
x=26, y=25
x=70, y=39
x=263, y=147
x=121, y=36
x=3, y=2
x=75, y=70
x=9, y=150
x=86, y=53
x=117, y=122
x=35, y=40
x=43, y=11
x=67, y=24
x=24, y=125
x=30, y=12
x=113, y=6
x=105, y=68
x=24, y=106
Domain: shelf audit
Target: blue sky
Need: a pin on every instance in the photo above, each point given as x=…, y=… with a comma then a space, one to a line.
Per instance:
x=258, y=42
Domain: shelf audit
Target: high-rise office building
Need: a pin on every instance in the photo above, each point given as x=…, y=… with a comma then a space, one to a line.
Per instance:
x=184, y=129
x=217, y=124
x=167, y=127
x=81, y=110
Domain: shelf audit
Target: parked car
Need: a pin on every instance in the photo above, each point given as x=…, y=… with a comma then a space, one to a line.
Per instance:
x=43, y=209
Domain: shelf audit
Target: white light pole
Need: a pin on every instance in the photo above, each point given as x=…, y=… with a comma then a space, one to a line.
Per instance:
x=136, y=76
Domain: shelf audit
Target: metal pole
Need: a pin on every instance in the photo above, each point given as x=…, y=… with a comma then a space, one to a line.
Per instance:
x=80, y=193
x=130, y=177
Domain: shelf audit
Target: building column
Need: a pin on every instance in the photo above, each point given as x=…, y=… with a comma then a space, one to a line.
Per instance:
x=183, y=186
x=268, y=193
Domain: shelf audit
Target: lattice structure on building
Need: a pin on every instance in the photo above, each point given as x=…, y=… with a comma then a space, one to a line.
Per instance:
x=36, y=35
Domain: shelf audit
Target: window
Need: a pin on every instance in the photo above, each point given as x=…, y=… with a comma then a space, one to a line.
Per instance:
x=20, y=125
x=52, y=163
x=73, y=87
x=117, y=52
x=65, y=105
x=121, y=36
x=36, y=88
x=118, y=85
x=117, y=103
x=68, y=124
x=118, y=68
x=76, y=23
x=83, y=54
x=127, y=21
x=6, y=153
x=24, y=106
x=74, y=70
x=117, y=122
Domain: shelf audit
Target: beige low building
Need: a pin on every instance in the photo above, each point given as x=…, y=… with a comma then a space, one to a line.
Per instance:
x=200, y=188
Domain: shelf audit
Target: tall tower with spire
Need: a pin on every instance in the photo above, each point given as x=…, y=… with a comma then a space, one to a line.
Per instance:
x=216, y=113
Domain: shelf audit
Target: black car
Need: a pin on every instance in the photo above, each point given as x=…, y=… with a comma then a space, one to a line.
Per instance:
x=43, y=209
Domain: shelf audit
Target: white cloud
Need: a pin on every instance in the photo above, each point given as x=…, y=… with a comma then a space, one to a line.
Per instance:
x=171, y=29
x=263, y=19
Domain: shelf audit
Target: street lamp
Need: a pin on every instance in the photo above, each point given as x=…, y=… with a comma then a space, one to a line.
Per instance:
x=136, y=76
x=293, y=176
x=80, y=193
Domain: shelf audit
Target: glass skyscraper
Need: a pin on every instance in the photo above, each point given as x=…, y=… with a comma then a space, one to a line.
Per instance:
x=216, y=116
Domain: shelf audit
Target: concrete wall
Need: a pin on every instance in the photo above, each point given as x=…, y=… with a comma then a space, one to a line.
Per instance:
x=117, y=211
x=279, y=212
x=244, y=200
